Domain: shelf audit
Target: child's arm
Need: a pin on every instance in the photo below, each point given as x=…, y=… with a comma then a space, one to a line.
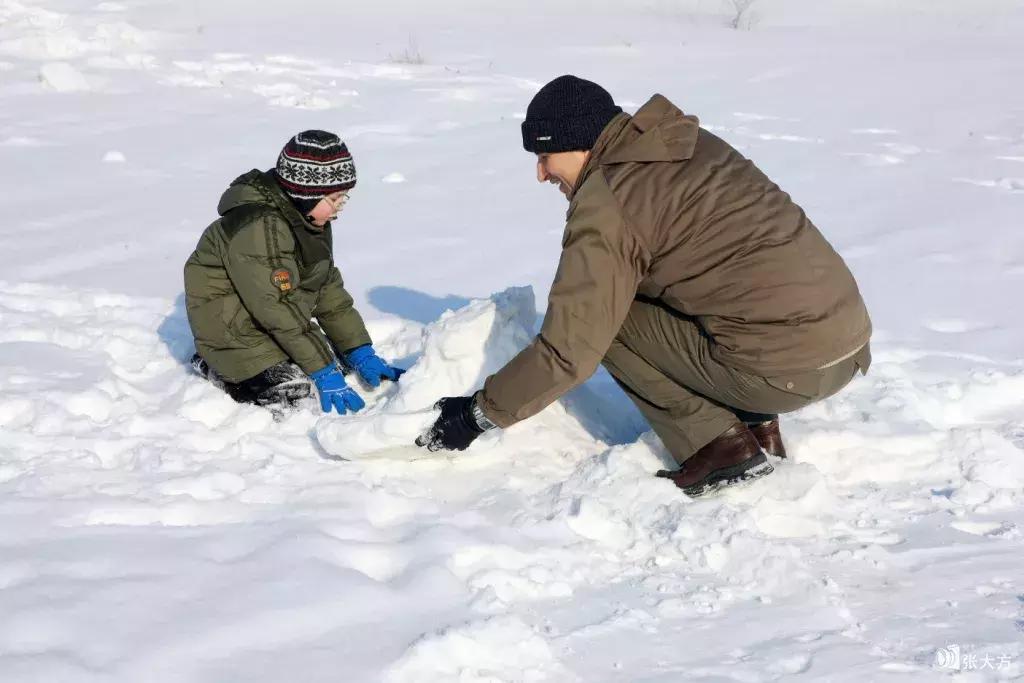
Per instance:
x=344, y=326
x=338, y=316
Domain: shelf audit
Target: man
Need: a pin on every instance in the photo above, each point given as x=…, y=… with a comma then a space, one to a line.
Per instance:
x=265, y=269
x=703, y=289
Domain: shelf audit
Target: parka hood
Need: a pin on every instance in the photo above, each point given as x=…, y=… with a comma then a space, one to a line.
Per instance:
x=248, y=188
x=659, y=131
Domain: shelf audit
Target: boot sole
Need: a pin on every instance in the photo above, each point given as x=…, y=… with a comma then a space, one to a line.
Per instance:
x=748, y=470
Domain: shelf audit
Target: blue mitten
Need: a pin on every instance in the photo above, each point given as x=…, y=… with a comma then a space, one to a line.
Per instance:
x=370, y=367
x=334, y=392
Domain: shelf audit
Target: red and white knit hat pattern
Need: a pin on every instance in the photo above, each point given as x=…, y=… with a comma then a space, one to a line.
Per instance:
x=314, y=164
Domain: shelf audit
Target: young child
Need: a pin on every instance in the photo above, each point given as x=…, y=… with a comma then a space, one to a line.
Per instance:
x=264, y=271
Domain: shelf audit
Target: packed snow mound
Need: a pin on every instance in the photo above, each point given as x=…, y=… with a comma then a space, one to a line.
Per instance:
x=457, y=353
x=463, y=347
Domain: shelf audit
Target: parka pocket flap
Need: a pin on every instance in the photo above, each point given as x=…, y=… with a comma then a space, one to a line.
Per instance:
x=806, y=384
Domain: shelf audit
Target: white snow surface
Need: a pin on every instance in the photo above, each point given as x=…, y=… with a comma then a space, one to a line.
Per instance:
x=153, y=530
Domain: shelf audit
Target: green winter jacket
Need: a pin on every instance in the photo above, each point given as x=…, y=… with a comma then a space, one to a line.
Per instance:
x=257, y=279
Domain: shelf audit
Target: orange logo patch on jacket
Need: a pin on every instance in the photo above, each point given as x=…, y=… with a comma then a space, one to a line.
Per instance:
x=282, y=279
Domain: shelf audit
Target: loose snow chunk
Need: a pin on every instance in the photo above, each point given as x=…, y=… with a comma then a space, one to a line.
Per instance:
x=373, y=434
x=460, y=351
x=16, y=412
x=63, y=77
x=590, y=519
x=996, y=462
x=210, y=486
x=92, y=404
x=499, y=649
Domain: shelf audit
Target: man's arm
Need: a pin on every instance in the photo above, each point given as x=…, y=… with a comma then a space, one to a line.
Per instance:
x=262, y=267
x=338, y=316
x=601, y=267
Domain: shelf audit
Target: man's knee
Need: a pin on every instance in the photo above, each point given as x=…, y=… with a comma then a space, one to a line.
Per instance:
x=633, y=373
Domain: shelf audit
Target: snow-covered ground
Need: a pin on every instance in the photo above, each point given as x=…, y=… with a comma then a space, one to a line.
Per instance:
x=152, y=530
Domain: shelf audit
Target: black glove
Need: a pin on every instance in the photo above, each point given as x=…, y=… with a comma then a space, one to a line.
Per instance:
x=455, y=429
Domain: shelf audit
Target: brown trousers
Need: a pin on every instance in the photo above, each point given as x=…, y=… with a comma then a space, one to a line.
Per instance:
x=662, y=359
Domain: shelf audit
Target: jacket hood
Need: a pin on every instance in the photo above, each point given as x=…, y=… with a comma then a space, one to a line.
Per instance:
x=248, y=188
x=659, y=131
x=259, y=188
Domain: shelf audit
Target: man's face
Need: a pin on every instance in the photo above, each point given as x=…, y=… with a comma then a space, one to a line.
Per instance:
x=561, y=168
x=328, y=208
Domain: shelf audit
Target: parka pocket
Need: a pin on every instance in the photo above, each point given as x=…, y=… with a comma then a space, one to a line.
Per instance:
x=806, y=384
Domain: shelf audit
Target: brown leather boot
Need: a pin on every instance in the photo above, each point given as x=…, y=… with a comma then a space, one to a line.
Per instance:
x=769, y=436
x=733, y=457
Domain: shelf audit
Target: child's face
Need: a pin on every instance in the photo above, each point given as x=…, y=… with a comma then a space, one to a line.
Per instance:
x=328, y=208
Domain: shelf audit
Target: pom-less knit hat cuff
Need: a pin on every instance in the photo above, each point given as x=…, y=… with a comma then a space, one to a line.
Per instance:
x=549, y=136
x=305, y=205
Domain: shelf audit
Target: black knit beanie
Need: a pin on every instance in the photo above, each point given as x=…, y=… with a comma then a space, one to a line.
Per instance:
x=312, y=165
x=566, y=115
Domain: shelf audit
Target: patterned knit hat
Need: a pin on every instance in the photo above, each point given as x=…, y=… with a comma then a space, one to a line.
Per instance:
x=312, y=165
